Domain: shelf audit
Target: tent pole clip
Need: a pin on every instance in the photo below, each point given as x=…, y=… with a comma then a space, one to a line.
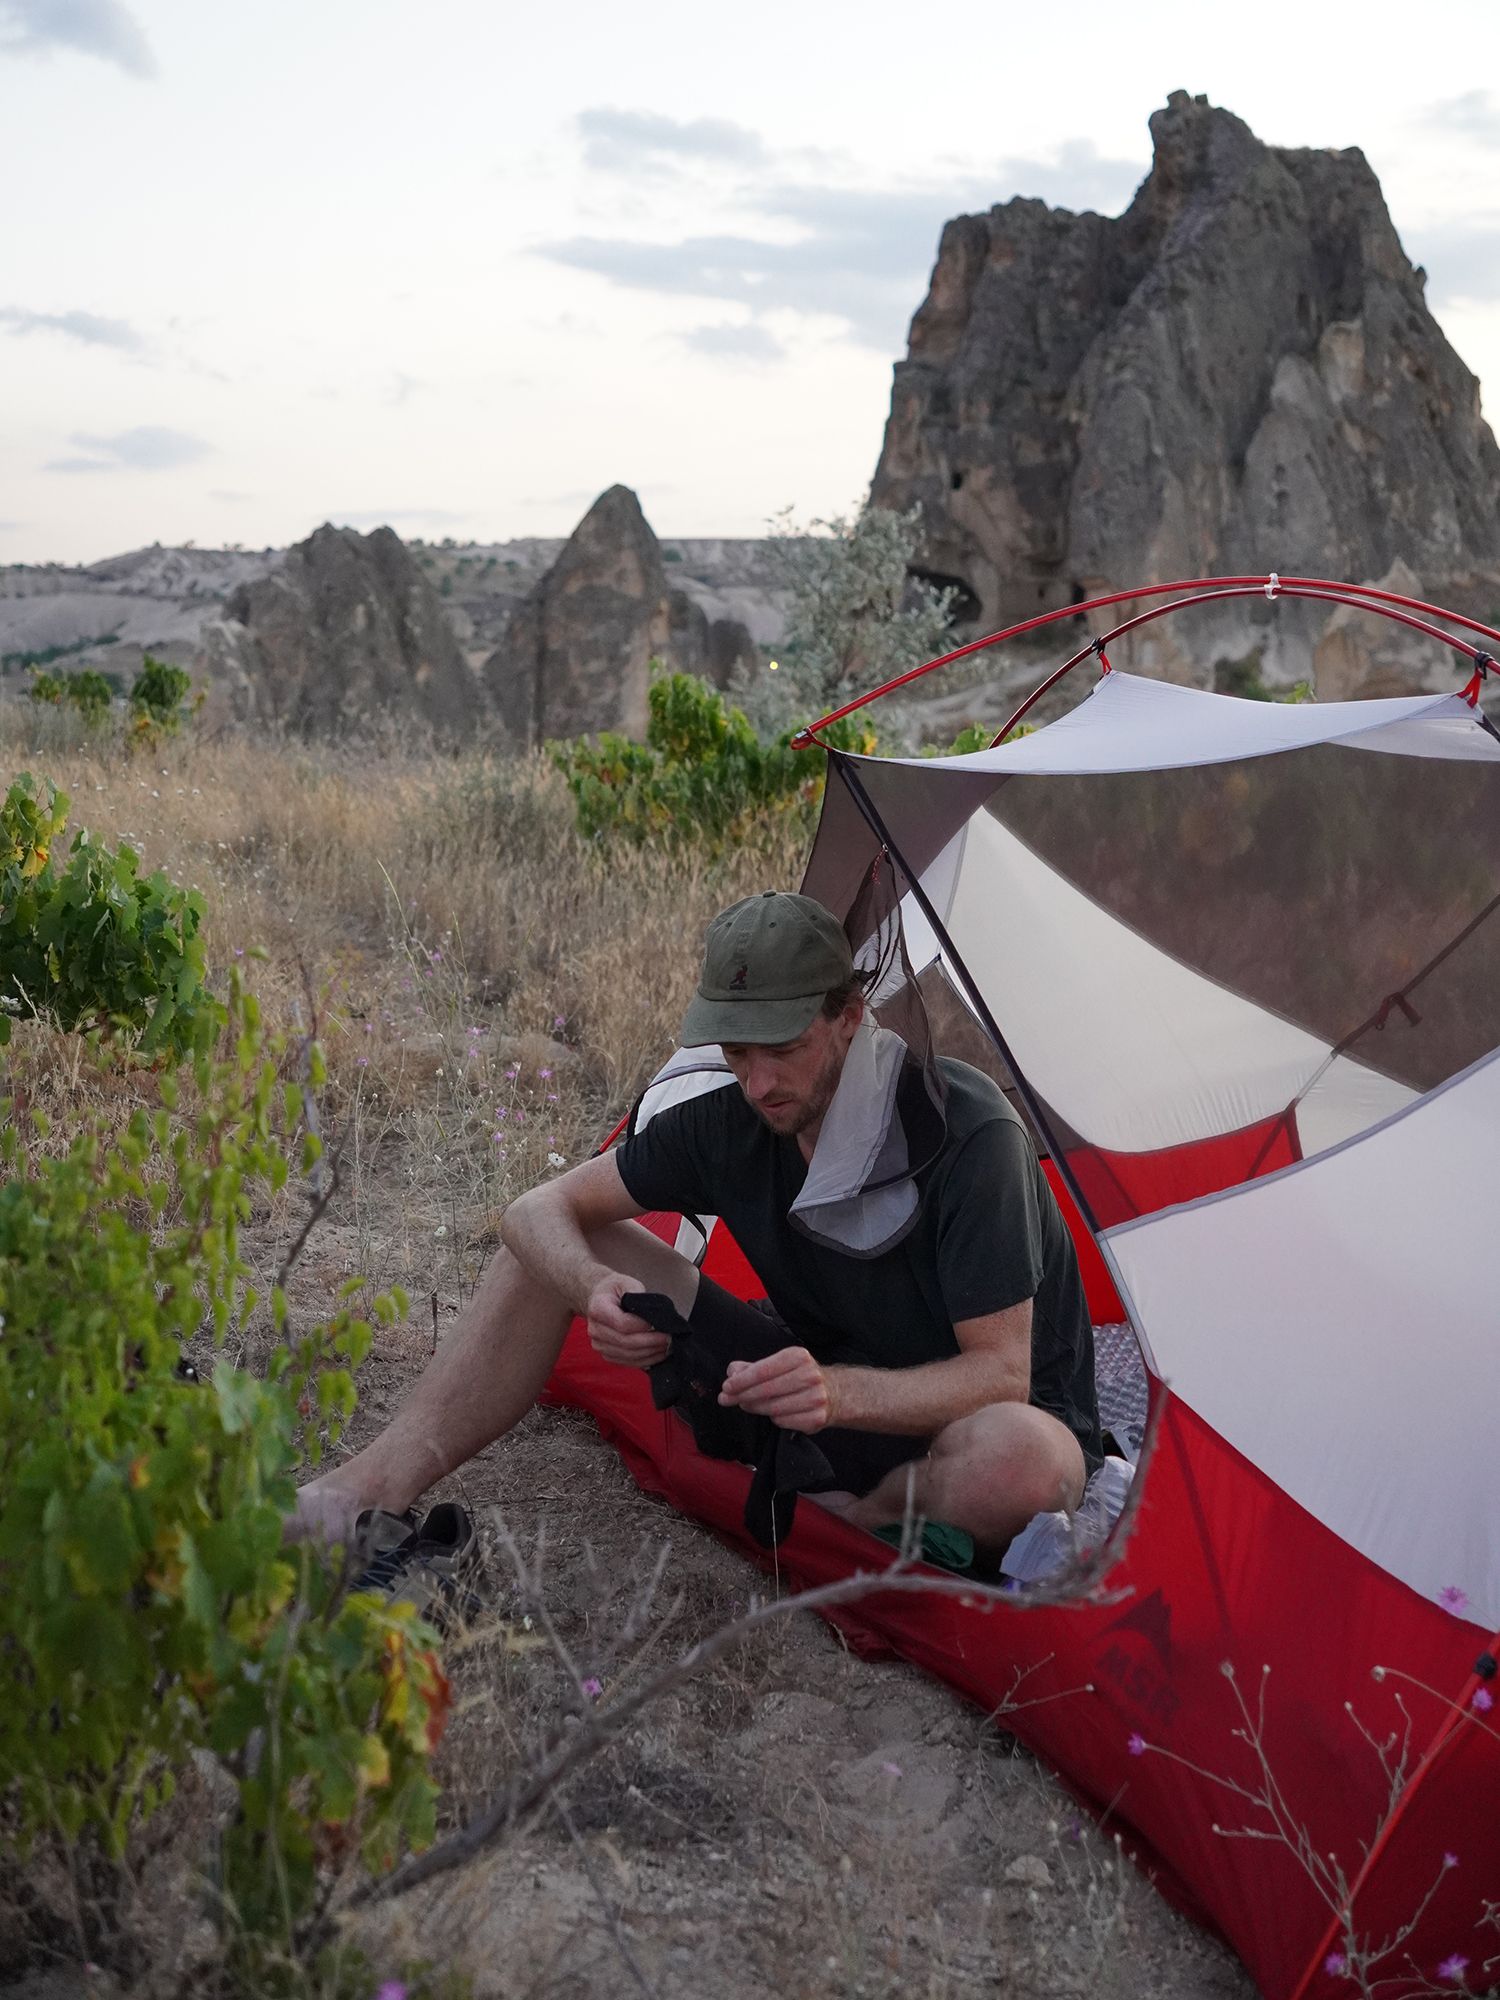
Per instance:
x=1484, y=665
x=1397, y=1000
x=1273, y=584
x=1487, y=1666
x=1097, y=646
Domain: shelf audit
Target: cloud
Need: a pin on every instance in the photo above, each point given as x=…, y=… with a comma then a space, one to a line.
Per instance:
x=648, y=142
x=1475, y=115
x=861, y=255
x=147, y=448
x=100, y=28
x=1462, y=258
x=91, y=328
x=734, y=343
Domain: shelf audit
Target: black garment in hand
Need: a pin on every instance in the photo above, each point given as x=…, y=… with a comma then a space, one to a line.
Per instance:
x=786, y=1462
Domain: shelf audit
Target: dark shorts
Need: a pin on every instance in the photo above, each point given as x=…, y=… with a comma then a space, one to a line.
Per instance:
x=860, y=1459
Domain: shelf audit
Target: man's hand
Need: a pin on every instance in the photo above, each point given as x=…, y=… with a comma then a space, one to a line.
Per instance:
x=620, y=1336
x=789, y=1387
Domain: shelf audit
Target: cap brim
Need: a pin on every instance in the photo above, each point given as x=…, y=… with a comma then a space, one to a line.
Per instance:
x=736, y=1021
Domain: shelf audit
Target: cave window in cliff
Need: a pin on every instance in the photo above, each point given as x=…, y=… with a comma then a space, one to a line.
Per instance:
x=965, y=607
x=955, y=481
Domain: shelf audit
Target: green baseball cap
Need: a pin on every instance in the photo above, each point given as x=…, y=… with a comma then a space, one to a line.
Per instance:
x=768, y=963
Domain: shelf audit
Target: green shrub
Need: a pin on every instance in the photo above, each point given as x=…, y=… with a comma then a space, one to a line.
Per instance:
x=89, y=692
x=857, y=615
x=148, y=1608
x=702, y=775
x=91, y=944
x=158, y=698
x=1243, y=678
x=49, y=687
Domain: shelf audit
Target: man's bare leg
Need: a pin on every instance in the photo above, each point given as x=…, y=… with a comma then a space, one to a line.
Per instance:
x=483, y=1379
x=989, y=1473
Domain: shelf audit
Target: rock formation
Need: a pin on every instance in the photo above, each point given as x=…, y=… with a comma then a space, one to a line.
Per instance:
x=576, y=655
x=1237, y=375
x=346, y=628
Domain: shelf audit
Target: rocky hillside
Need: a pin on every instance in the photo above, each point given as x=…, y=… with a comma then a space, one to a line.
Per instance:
x=265, y=628
x=1237, y=375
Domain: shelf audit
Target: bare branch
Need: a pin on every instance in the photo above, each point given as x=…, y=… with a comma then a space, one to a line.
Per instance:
x=603, y=1723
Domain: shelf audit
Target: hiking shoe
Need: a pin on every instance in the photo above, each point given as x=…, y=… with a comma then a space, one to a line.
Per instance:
x=378, y=1540
x=427, y=1564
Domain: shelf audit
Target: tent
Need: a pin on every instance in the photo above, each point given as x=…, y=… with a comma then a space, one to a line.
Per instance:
x=1240, y=961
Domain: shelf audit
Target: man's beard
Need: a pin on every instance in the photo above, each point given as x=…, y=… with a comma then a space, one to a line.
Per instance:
x=805, y=1111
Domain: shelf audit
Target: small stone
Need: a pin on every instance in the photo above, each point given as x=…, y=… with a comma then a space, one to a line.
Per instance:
x=1030, y=1871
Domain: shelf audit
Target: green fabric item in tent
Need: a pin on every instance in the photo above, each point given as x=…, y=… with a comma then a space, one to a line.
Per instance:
x=943, y=1545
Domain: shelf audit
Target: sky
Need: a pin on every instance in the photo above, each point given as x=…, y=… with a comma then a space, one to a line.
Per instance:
x=460, y=265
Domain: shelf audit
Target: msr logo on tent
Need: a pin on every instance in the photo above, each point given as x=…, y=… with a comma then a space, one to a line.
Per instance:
x=1139, y=1658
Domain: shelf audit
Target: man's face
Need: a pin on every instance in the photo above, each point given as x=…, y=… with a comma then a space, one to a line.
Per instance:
x=790, y=1085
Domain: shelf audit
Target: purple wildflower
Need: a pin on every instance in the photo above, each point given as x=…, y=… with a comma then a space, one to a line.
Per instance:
x=1482, y=1699
x=544, y=1072
x=1336, y=1963
x=361, y=1062
x=392, y=1989
x=1135, y=1744
x=559, y=1020
x=891, y=1770
x=593, y=1687
x=1452, y=1598
x=1450, y=1860
x=1453, y=1968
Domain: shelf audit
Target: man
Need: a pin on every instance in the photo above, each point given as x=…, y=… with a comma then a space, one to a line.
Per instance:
x=928, y=1326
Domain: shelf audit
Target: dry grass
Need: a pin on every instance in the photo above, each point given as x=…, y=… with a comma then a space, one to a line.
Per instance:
x=491, y=991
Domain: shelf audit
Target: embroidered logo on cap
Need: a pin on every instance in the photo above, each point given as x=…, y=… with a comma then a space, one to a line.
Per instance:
x=741, y=974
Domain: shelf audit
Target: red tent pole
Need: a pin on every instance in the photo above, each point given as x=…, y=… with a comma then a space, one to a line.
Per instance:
x=1333, y=594
x=1359, y=596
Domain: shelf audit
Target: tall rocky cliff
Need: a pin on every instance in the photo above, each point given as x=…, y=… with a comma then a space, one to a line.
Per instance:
x=1237, y=375
x=345, y=629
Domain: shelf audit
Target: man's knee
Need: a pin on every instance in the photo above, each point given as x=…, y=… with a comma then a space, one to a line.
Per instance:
x=1037, y=1457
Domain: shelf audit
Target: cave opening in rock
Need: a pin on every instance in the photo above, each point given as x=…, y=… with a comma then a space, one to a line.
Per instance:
x=965, y=607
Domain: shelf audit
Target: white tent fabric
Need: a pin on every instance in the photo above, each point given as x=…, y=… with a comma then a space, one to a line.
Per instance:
x=1337, y=1324
x=1134, y=1049
x=1131, y=724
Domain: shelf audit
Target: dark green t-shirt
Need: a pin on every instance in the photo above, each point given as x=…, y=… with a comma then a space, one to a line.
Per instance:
x=988, y=1234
